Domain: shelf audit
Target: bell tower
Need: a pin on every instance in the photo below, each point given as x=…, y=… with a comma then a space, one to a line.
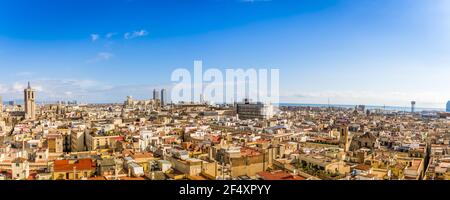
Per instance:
x=344, y=138
x=30, y=103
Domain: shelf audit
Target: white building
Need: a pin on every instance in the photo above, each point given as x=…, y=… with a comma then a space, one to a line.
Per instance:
x=148, y=139
x=164, y=165
x=136, y=169
x=258, y=110
x=20, y=169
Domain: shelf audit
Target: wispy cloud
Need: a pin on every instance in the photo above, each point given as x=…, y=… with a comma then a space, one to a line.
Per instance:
x=110, y=35
x=135, y=34
x=102, y=56
x=24, y=73
x=127, y=35
x=95, y=37
x=17, y=87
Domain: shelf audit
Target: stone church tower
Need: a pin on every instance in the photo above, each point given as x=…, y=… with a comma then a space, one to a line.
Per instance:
x=30, y=103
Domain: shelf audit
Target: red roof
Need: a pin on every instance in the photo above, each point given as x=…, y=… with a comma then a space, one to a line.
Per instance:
x=279, y=175
x=67, y=165
x=32, y=176
x=249, y=152
x=119, y=138
x=362, y=167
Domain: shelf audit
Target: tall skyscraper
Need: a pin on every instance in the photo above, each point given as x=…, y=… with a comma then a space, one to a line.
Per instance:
x=163, y=97
x=156, y=94
x=30, y=103
x=413, y=106
x=448, y=107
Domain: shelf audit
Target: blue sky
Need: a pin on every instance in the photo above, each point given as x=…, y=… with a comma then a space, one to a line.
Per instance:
x=349, y=51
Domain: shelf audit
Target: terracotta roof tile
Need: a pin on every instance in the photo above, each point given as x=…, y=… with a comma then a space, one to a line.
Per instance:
x=65, y=165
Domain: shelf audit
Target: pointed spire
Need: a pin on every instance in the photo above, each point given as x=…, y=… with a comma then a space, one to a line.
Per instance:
x=29, y=86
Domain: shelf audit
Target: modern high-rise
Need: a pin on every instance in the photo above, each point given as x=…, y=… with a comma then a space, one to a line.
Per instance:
x=156, y=94
x=163, y=97
x=413, y=106
x=30, y=103
x=448, y=107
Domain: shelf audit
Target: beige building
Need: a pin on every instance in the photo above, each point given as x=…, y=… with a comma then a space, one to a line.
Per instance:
x=190, y=166
x=55, y=143
x=323, y=163
x=77, y=141
x=94, y=142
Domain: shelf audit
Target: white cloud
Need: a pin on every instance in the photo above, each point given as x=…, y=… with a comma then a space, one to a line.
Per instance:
x=102, y=56
x=24, y=74
x=110, y=35
x=135, y=34
x=82, y=83
x=3, y=89
x=18, y=87
x=95, y=37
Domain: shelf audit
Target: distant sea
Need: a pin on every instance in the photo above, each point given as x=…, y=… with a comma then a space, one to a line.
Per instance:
x=369, y=107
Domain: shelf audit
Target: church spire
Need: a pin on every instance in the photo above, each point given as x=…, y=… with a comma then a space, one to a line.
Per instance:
x=29, y=86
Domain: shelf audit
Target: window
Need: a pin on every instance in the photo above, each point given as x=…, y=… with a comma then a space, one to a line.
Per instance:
x=17, y=164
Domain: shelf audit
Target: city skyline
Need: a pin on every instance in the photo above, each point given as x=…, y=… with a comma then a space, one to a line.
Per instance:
x=365, y=52
x=226, y=91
